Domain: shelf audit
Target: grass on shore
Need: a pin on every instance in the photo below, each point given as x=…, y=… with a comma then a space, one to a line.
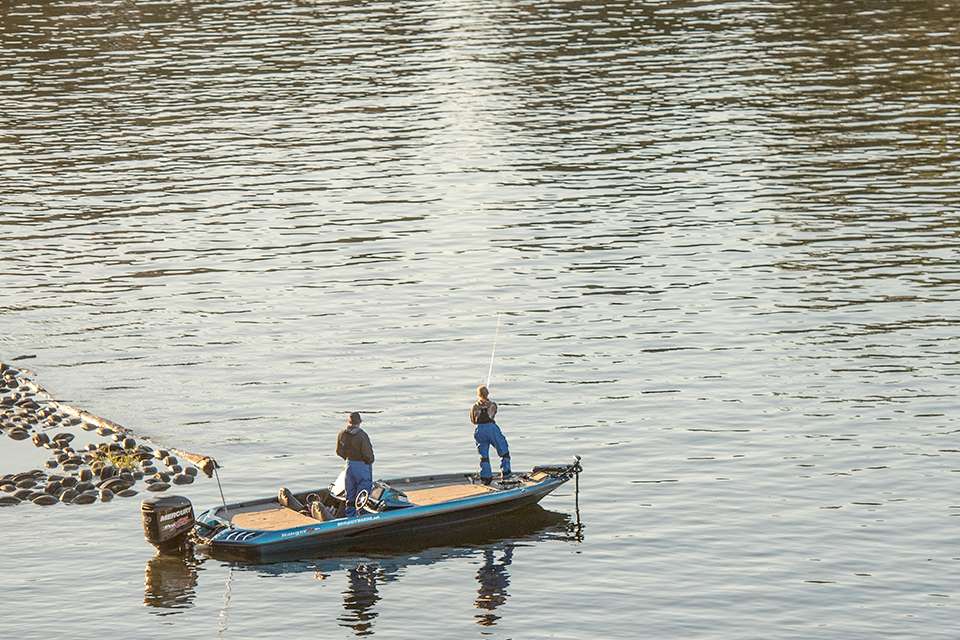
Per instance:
x=118, y=460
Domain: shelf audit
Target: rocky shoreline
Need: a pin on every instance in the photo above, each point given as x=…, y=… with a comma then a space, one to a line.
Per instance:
x=113, y=462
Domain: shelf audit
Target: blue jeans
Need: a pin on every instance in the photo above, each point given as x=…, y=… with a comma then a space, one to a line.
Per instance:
x=359, y=477
x=487, y=434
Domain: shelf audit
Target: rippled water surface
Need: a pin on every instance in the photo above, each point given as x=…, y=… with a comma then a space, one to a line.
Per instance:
x=723, y=238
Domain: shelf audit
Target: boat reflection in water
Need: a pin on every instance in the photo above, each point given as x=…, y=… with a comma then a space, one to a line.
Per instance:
x=171, y=580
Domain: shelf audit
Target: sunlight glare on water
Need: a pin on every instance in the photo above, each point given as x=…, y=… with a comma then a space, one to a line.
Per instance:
x=722, y=238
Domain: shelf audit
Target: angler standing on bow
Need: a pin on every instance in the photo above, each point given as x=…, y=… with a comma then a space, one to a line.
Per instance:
x=487, y=433
x=353, y=445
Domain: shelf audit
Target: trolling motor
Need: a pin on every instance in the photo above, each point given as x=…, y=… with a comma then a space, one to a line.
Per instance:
x=167, y=522
x=563, y=470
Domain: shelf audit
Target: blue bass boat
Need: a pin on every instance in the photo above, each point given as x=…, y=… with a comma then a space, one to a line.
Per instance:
x=311, y=522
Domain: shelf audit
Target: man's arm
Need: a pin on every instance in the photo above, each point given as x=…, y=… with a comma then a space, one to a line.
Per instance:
x=367, y=449
x=340, y=451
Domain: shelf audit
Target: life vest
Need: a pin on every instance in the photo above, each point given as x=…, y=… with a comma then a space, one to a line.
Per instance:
x=483, y=416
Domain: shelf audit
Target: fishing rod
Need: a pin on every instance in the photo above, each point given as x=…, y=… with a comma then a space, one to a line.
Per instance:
x=493, y=352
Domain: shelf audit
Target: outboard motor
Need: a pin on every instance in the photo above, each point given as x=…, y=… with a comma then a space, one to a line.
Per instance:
x=167, y=522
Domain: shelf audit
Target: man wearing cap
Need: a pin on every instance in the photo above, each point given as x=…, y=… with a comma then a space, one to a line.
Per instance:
x=353, y=445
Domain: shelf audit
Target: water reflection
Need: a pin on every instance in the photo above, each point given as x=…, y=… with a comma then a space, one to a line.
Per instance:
x=494, y=580
x=496, y=542
x=360, y=597
x=170, y=582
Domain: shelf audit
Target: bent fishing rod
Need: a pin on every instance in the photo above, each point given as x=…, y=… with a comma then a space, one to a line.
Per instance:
x=493, y=352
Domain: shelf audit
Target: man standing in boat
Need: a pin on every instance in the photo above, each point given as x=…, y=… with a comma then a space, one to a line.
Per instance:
x=487, y=433
x=353, y=445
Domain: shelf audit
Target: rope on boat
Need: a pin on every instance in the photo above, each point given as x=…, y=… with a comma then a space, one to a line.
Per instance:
x=226, y=513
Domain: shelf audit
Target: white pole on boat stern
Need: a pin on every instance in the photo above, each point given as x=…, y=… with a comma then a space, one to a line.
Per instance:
x=494, y=351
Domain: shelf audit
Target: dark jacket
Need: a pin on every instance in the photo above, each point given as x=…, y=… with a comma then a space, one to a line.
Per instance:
x=353, y=443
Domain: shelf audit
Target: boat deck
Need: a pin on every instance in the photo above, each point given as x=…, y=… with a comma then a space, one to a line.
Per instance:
x=423, y=497
x=270, y=516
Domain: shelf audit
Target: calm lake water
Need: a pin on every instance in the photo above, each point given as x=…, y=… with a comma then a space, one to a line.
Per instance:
x=723, y=238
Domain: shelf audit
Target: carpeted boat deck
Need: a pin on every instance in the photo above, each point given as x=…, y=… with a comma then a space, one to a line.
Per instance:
x=276, y=518
x=271, y=519
x=448, y=492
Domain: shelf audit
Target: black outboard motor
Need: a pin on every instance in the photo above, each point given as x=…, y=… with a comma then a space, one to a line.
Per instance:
x=167, y=522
